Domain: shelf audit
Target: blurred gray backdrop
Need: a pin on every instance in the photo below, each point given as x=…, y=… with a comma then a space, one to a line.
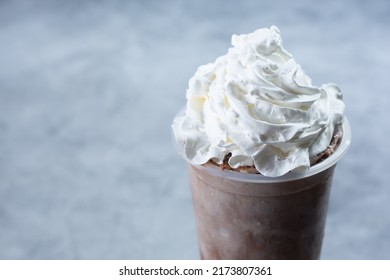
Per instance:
x=88, y=90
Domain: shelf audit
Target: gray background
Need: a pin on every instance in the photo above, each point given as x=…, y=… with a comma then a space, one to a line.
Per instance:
x=88, y=90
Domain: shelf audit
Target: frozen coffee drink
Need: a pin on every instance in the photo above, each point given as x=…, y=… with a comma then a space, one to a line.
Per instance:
x=262, y=143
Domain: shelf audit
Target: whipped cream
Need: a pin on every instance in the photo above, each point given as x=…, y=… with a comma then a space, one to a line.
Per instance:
x=257, y=104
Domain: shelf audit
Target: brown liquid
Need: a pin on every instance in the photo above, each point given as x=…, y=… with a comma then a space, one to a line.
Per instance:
x=241, y=220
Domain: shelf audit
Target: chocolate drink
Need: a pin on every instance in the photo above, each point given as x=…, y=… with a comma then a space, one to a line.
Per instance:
x=266, y=220
x=262, y=142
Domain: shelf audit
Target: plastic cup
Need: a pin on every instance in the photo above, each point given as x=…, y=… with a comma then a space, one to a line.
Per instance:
x=251, y=216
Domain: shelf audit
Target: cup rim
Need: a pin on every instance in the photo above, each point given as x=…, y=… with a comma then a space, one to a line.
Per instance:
x=293, y=175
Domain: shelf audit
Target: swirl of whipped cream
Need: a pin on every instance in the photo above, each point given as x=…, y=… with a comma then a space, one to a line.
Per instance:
x=257, y=104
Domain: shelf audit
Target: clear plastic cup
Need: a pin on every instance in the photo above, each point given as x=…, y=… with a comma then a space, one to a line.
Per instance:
x=251, y=216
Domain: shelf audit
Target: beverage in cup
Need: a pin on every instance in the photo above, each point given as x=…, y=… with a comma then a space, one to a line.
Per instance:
x=262, y=143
